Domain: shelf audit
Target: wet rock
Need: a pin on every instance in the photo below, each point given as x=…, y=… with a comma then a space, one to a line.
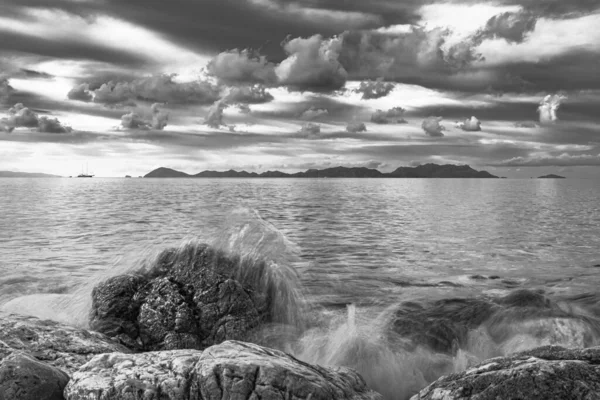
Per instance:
x=551, y=373
x=22, y=377
x=444, y=325
x=55, y=344
x=232, y=370
x=191, y=297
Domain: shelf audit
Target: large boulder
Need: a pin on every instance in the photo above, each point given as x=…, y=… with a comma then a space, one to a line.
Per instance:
x=54, y=344
x=188, y=298
x=22, y=377
x=232, y=370
x=550, y=373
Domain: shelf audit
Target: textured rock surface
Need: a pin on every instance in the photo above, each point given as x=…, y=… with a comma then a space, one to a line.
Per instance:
x=190, y=298
x=232, y=370
x=550, y=373
x=24, y=378
x=52, y=343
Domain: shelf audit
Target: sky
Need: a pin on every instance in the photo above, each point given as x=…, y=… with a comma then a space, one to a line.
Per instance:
x=127, y=86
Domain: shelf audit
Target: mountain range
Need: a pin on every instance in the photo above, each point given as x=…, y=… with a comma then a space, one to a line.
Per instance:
x=11, y=174
x=421, y=171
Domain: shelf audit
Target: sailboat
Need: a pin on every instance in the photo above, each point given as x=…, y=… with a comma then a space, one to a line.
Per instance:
x=86, y=175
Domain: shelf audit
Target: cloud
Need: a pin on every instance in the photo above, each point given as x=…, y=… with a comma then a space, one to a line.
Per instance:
x=432, y=126
x=312, y=65
x=134, y=120
x=81, y=93
x=21, y=116
x=510, y=26
x=214, y=119
x=547, y=160
x=310, y=128
x=52, y=125
x=242, y=67
x=355, y=127
x=391, y=116
x=158, y=88
x=5, y=90
x=313, y=113
x=470, y=125
x=244, y=108
x=548, y=108
x=159, y=118
x=5, y=125
x=374, y=89
x=255, y=94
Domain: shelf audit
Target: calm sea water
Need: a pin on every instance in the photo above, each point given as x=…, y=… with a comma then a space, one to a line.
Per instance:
x=366, y=242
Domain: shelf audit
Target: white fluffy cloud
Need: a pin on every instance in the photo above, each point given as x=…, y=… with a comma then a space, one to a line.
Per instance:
x=470, y=125
x=548, y=108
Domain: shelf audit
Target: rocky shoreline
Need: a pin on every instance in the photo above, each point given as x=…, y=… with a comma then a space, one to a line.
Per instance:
x=44, y=360
x=181, y=329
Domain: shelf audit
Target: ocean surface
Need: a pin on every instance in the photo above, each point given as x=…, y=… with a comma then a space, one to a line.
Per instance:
x=361, y=248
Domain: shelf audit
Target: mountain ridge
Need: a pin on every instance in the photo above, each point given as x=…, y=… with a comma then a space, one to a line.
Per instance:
x=421, y=171
x=13, y=174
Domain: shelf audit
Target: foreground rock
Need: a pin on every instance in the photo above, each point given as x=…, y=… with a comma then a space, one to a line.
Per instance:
x=54, y=344
x=232, y=370
x=550, y=373
x=22, y=377
x=190, y=298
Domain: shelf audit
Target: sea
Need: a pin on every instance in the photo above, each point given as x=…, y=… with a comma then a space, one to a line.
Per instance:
x=355, y=251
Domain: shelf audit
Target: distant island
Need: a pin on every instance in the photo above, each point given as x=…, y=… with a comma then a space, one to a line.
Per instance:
x=421, y=171
x=11, y=174
x=551, y=176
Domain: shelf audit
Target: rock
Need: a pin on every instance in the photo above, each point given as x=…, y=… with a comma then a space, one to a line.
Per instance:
x=232, y=370
x=444, y=325
x=22, y=377
x=189, y=298
x=52, y=343
x=550, y=373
